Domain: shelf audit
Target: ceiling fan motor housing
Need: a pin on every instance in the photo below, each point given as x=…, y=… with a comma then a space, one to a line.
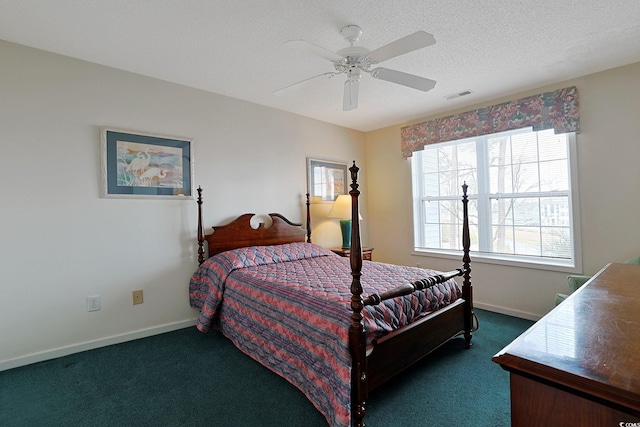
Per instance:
x=355, y=59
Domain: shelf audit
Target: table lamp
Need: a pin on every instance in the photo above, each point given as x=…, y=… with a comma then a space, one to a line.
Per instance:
x=342, y=210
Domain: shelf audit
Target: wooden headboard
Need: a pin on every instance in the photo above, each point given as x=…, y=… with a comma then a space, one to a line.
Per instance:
x=239, y=233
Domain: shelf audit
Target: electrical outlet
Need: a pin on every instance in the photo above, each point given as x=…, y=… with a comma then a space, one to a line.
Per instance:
x=93, y=303
x=137, y=297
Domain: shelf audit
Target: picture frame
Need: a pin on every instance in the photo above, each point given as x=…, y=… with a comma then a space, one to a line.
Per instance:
x=326, y=179
x=143, y=165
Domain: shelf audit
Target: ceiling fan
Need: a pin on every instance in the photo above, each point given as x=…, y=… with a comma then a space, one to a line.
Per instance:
x=352, y=61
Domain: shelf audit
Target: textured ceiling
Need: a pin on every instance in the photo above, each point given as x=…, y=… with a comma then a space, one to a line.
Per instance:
x=237, y=47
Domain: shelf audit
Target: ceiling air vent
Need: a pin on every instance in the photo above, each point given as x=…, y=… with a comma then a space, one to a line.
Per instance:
x=458, y=95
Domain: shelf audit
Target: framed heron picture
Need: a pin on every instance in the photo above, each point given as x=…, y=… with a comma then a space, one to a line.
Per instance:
x=141, y=165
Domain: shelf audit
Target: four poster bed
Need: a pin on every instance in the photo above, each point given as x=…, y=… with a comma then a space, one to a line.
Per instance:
x=334, y=327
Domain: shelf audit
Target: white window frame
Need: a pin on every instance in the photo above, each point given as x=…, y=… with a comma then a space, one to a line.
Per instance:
x=571, y=265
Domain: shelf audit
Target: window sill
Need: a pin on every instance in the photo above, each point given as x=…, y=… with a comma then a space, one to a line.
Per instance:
x=505, y=260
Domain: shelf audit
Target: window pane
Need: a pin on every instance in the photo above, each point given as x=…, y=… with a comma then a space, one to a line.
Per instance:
x=525, y=147
x=474, y=230
x=446, y=158
x=473, y=236
x=431, y=235
x=552, y=146
x=527, y=241
x=467, y=155
x=500, y=179
x=526, y=211
x=431, y=185
x=499, y=151
x=448, y=183
x=431, y=212
x=430, y=161
x=501, y=212
x=526, y=178
x=451, y=238
x=554, y=211
x=554, y=176
x=473, y=211
x=556, y=242
x=502, y=242
x=449, y=212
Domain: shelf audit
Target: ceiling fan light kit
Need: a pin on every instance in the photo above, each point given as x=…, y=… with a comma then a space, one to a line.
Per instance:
x=354, y=60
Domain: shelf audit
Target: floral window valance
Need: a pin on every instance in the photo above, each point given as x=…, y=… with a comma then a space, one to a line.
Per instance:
x=556, y=110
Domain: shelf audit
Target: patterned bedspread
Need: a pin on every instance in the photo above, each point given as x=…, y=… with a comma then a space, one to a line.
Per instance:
x=287, y=307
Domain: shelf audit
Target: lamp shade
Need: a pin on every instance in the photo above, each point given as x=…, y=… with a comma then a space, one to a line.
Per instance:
x=342, y=208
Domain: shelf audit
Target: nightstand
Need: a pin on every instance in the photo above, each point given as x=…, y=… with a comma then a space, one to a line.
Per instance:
x=366, y=252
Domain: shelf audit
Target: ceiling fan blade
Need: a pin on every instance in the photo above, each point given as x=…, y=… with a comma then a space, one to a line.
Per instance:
x=351, y=89
x=305, y=46
x=407, y=44
x=302, y=83
x=405, y=79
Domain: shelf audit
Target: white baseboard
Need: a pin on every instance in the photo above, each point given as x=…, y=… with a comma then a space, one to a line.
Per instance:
x=508, y=311
x=168, y=327
x=90, y=345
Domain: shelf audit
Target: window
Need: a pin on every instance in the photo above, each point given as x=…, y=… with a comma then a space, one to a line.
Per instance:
x=522, y=197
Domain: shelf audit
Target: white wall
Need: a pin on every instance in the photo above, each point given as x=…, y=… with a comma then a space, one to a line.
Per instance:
x=60, y=242
x=608, y=153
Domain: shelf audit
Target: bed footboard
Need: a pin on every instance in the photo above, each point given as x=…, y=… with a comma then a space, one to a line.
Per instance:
x=413, y=343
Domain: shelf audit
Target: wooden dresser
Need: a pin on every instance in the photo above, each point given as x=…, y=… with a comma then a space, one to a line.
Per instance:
x=580, y=364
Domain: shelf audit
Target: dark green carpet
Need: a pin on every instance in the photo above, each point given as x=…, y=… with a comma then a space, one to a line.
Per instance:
x=186, y=378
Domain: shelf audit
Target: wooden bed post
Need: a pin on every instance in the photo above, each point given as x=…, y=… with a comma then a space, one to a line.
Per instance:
x=357, y=338
x=308, y=218
x=467, y=290
x=200, y=228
